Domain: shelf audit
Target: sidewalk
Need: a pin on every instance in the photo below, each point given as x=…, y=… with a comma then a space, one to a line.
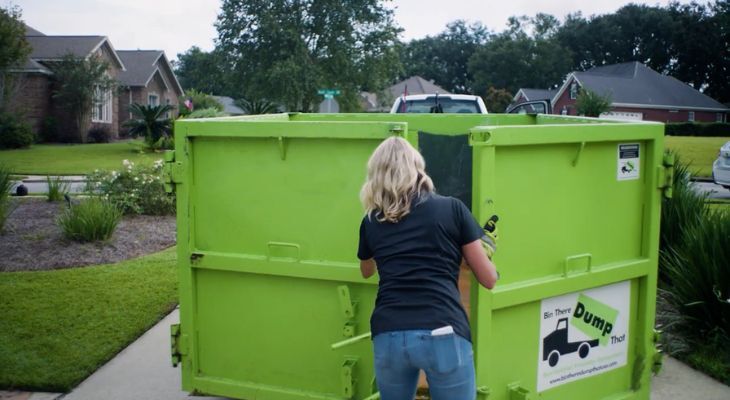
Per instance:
x=143, y=371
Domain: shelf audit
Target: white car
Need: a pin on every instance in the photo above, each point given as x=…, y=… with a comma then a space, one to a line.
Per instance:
x=439, y=103
x=721, y=167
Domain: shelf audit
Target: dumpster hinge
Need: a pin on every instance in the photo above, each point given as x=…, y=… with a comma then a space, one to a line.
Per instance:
x=178, y=344
x=658, y=359
x=347, y=377
x=172, y=172
x=666, y=175
x=517, y=392
x=346, y=305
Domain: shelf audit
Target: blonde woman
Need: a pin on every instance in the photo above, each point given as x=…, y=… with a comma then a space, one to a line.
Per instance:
x=416, y=240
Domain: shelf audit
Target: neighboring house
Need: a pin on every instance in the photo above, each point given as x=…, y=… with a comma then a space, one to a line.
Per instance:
x=229, y=107
x=34, y=79
x=413, y=85
x=525, y=94
x=148, y=80
x=144, y=76
x=639, y=92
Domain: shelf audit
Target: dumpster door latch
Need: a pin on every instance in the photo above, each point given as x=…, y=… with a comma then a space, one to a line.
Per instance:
x=178, y=344
x=347, y=377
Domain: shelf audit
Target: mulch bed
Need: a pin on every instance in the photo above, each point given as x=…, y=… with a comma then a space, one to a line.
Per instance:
x=31, y=240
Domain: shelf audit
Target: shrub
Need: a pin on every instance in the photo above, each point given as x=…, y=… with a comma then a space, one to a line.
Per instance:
x=6, y=183
x=713, y=129
x=135, y=189
x=14, y=133
x=50, y=130
x=150, y=122
x=694, y=293
x=199, y=100
x=57, y=188
x=89, y=221
x=206, y=113
x=592, y=104
x=99, y=134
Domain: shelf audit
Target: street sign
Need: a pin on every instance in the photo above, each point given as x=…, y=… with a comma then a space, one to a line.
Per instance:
x=330, y=92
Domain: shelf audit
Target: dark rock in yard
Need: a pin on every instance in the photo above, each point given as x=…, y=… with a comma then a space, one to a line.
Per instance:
x=21, y=190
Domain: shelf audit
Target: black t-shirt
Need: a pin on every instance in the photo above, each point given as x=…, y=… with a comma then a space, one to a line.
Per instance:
x=418, y=262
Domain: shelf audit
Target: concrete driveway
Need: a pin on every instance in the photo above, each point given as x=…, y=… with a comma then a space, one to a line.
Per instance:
x=142, y=371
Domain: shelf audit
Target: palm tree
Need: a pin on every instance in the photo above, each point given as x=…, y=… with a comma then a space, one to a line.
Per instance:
x=253, y=107
x=151, y=122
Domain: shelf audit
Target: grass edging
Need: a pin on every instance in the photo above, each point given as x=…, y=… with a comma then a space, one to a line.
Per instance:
x=60, y=326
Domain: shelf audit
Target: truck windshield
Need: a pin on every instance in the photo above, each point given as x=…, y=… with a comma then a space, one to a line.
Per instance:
x=445, y=104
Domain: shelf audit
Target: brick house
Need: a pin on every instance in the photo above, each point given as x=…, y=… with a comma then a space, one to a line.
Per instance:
x=32, y=97
x=148, y=80
x=638, y=92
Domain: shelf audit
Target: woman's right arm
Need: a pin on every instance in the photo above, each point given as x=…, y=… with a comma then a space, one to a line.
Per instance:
x=482, y=267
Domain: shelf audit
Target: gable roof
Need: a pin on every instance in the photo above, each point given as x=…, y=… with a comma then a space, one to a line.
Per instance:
x=633, y=84
x=416, y=85
x=32, y=32
x=142, y=66
x=535, y=94
x=53, y=48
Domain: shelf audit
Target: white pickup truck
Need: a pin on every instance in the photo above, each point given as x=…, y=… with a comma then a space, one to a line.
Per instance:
x=439, y=103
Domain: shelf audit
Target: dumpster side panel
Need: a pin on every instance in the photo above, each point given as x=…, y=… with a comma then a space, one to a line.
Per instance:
x=575, y=221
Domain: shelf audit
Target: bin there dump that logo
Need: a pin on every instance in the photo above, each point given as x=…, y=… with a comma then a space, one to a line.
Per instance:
x=583, y=334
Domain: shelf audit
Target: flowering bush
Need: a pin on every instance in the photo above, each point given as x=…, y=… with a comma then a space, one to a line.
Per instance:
x=135, y=189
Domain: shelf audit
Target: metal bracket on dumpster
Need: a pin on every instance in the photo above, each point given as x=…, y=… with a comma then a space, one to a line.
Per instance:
x=658, y=360
x=483, y=392
x=517, y=392
x=665, y=174
x=398, y=130
x=580, y=151
x=172, y=171
x=178, y=344
x=347, y=306
x=570, y=260
x=346, y=376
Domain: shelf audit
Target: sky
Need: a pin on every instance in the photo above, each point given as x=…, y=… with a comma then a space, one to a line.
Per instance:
x=176, y=25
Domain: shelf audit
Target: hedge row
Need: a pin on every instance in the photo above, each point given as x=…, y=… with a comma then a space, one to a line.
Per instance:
x=713, y=129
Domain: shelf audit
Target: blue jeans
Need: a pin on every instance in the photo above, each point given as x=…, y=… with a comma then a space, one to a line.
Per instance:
x=447, y=361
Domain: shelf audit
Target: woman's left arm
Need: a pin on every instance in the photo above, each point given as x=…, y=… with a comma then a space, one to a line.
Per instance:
x=367, y=267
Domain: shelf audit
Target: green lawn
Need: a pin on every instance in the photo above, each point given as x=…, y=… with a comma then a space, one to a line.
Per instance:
x=700, y=152
x=75, y=159
x=58, y=327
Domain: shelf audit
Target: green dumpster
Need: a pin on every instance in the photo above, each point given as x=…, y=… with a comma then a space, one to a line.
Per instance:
x=272, y=304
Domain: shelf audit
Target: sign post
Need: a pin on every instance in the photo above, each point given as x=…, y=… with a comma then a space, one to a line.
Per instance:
x=329, y=94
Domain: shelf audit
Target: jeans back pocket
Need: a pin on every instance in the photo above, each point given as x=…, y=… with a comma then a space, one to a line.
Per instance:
x=446, y=354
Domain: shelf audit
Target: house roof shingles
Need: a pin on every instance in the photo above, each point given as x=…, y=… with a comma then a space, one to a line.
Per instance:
x=538, y=94
x=636, y=84
x=29, y=31
x=55, y=47
x=141, y=64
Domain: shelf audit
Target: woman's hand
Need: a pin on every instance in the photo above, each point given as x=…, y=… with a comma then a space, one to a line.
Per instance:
x=367, y=268
x=482, y=267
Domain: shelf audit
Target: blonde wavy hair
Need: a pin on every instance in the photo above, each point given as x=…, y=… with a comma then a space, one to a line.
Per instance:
x=396, y=175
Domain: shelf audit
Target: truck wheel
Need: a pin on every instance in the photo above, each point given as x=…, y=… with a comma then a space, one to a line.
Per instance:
x=583, y=350
x=553, y=358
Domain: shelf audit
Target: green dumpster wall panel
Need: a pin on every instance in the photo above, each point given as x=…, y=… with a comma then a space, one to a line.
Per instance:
x=268, y=216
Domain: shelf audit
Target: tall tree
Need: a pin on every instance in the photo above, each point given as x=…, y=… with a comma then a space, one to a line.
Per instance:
x=79, y=83
x=285, y=50
x=203, y=71
x=514, y=58
x=13, y=46
x=444, y=58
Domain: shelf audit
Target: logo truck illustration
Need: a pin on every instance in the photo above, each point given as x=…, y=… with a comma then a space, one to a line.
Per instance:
x=556, y=344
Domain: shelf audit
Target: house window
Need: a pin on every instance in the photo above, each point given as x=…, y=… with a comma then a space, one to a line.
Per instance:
x=564, y=111
x=153, y=100
x=691, y=116
x=102, y=108
x=574, y=90
x=718, y=117
x=167, y=113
